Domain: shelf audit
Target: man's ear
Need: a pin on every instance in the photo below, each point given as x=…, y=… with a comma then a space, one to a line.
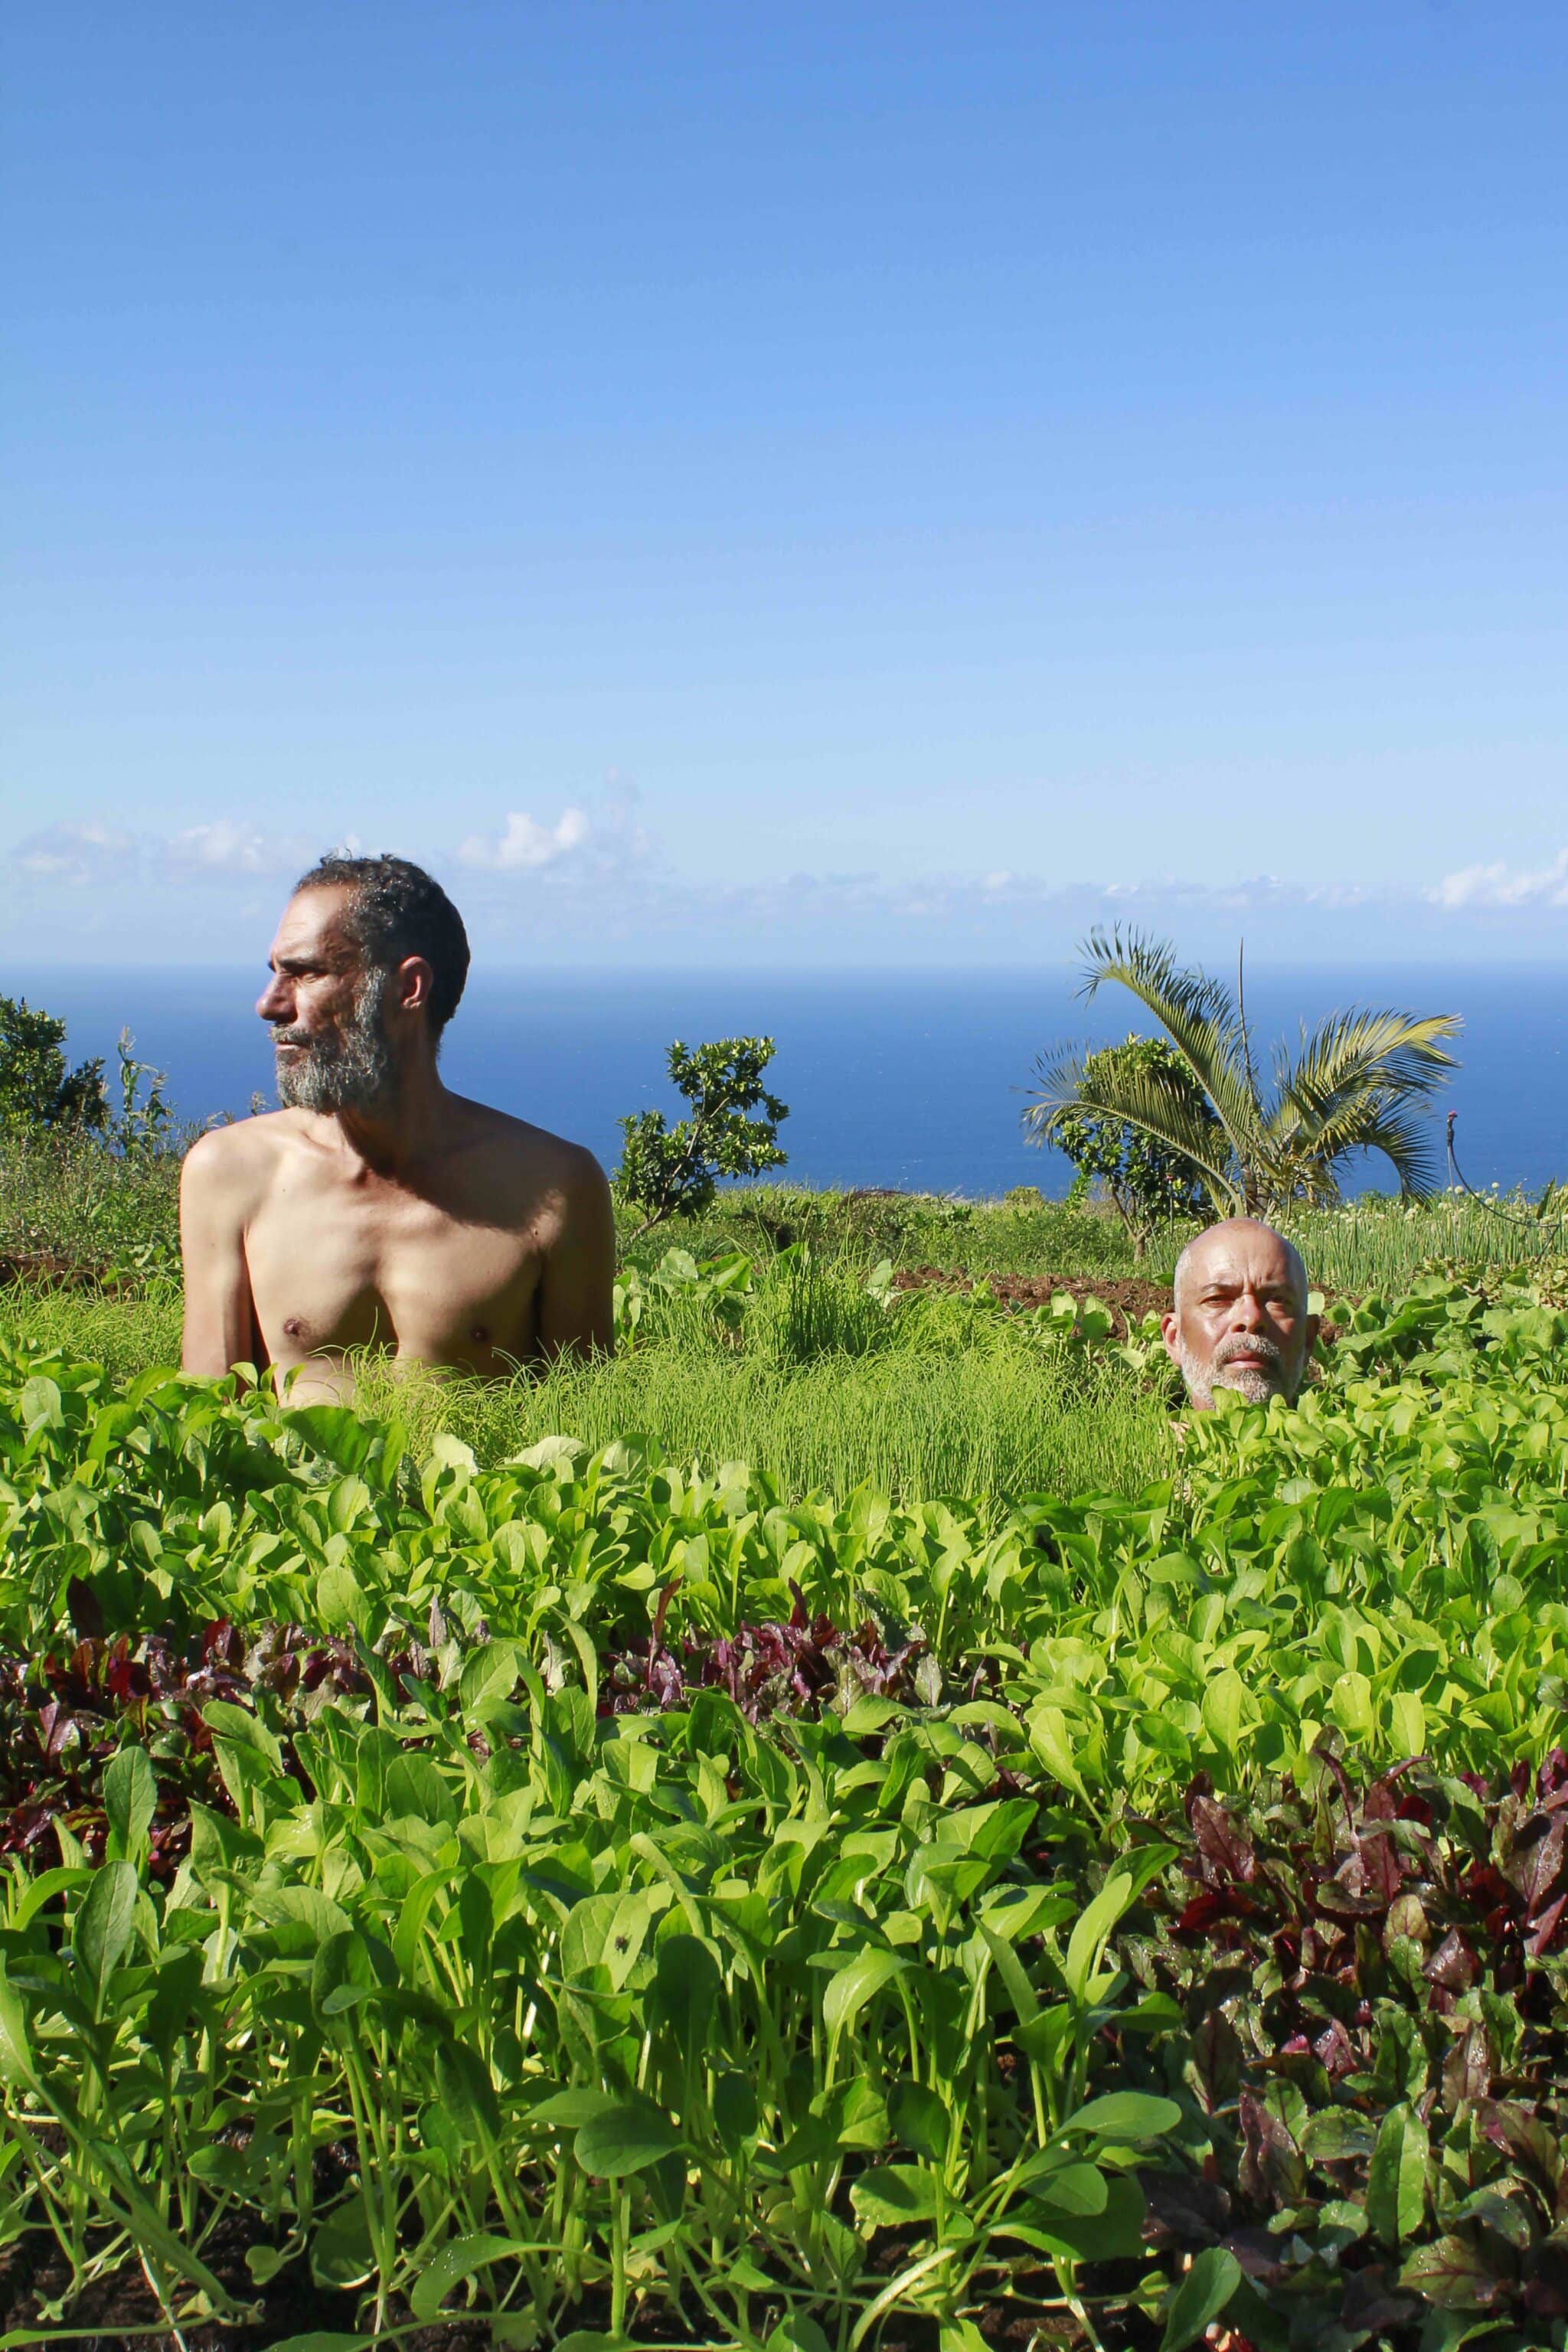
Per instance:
x=415, y=982
x=1314, y=1323
x=1169, y=1332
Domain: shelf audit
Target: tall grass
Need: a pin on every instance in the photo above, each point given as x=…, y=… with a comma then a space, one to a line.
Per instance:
x=72, y=1197
x=816, y=1382
x=126, y=1336
x=1024, y=1234
x=987, y=1426
x=1379, y=1243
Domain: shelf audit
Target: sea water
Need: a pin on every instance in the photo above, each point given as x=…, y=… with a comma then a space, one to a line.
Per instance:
x=917, y=1079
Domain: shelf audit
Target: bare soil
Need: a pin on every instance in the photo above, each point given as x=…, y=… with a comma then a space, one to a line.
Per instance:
x=45, y=1270
x=121, y=2312
x=1128, y=1296
x=110, y=2314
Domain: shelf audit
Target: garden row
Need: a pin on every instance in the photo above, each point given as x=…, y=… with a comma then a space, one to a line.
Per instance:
x=1386, y=1561
x=593, y=1897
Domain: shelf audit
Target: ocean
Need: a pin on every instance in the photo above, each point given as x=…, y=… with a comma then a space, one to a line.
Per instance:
x=908, y=1079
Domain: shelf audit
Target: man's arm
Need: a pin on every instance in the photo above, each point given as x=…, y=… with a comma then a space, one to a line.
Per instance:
x=220, y=1320
x=577, y=1305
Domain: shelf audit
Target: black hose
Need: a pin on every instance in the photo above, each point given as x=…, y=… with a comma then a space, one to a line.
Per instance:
x=1457, y=1175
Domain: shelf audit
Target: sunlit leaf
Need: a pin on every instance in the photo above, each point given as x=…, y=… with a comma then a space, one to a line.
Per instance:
x=103, y=1924
x=626, y=2136
x=1200, y=2297
x=853, y=1986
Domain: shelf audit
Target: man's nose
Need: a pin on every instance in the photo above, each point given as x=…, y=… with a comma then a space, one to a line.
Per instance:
x=272, y=1003
x=1248, y=1313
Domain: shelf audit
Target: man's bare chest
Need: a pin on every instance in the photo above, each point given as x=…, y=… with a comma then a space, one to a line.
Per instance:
x=332, y=1269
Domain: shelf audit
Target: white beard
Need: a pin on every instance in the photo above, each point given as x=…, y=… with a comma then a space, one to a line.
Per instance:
x=354, y=1071
x=1255, y=1382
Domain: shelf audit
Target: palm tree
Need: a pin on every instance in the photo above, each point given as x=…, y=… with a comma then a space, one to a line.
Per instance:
x=1358, y=1083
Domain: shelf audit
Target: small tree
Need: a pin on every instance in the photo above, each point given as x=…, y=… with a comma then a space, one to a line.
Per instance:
x=1146, y=1182
x=669, y=1171
x=38, y=1088
x=1359, y=1082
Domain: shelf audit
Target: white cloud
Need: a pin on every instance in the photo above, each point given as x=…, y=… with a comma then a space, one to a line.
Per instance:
x=76, y=853
x=857, y=916
x=610, y=887
x=92, y=850
x=231, y=850
x=1501, y=885
x=525, y=843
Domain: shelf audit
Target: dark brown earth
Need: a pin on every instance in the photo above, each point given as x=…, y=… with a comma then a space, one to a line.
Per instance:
x=114, y=2312
x=121, y=2312
x=51, y=1273
x=1127, y=1297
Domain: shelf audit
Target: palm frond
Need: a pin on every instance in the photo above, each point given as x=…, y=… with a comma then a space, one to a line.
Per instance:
x=1061, y=1079
x=1298, y=1174
x=1156, y=1101
x=1407, y=1138
x=1354, y=1085
x=1391, y=1049
x=1197, y=1015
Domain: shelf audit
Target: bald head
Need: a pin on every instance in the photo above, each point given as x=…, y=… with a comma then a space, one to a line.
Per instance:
x=1239, y=1316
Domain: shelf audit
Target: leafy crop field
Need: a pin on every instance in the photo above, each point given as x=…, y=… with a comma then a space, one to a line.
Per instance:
x=585, y=1898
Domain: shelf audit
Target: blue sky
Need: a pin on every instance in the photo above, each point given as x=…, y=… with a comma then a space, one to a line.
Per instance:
x=895, y=481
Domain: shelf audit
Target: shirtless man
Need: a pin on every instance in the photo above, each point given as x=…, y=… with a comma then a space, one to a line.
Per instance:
x=1238, y=1317
x=376, y=1208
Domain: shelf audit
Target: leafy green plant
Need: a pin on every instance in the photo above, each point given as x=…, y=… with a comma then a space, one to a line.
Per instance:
x=669, y=1171
x=596, y=1896
x=637, y=2017
x=38, y=1090
x=711, y=1297
x=143, y=1123
x=1359, y=1083
x=1382, y=1560
x=1147, y=1184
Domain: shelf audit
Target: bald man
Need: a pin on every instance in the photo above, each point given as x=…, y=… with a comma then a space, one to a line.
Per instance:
x=1239, y=1316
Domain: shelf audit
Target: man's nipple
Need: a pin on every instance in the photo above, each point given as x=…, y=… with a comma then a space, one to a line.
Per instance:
x=480, y=1332
x=292, y=1325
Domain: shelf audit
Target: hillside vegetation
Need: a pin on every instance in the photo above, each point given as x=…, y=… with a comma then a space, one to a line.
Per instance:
x=759, y=1331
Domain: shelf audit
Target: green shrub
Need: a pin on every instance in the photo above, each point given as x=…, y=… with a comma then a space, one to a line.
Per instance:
x=667, y=1171
x=38, y=1090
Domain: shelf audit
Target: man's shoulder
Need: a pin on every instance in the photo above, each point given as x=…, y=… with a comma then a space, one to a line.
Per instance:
x=243, y=1152
x=545, y=1162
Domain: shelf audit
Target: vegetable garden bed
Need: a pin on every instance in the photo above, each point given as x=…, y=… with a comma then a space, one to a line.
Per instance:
x=594, y=1900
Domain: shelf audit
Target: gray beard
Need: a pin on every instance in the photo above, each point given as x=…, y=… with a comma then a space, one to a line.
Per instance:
x=353, y=1070
x=1256, y=1386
